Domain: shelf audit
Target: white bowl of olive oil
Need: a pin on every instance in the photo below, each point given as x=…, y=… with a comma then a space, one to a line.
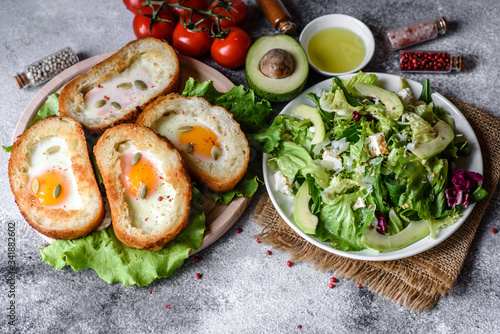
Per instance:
x=337, y=44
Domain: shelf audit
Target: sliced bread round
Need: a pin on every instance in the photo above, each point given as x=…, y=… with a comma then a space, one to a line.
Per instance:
x=209, y=139
x=115, y=90
x=53, y=181
x=147, y=186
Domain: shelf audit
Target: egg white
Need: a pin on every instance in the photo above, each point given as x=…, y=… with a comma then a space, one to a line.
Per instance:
x=41, y=162
x=151, y=214
x=139, y=70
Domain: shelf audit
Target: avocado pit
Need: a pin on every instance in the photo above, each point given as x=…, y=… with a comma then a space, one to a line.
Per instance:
x=277, y=64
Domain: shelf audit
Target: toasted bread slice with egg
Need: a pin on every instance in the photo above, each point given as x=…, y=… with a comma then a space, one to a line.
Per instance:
x=209, y=139
x=115, y=90
x=52, y=179
x=147, y=186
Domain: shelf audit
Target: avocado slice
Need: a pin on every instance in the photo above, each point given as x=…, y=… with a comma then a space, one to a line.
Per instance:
x=403, y=84
x=288, y=83
x=302, y=216
x=392, y=102
x=444, y=136
x=313, y=115
x=412, y=233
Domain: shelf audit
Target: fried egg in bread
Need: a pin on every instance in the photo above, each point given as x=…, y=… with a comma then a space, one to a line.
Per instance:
x=115, y=90
x=209, y=139
x=147, y=186
x=52, y=179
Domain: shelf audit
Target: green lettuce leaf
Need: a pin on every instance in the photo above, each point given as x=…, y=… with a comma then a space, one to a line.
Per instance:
x=426, y=94
x=338, y=103
x=245, y=188
x=422, y=130
x=115, y=262
x=251, y=115
x=359, y=77
x=337, y=224
x=291, y=158
x=49, y=108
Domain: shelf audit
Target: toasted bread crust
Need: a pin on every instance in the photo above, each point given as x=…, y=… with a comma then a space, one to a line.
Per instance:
x=108, y=156
x=221, y=179
x=71, y=99
x=56, y=223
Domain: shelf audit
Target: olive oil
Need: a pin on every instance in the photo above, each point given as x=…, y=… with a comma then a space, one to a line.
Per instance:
x=336, y=50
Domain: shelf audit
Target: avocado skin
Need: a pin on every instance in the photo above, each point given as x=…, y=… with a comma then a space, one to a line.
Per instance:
x=273, y=97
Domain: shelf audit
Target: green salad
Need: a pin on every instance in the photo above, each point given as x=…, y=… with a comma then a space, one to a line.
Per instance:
x=370, y=168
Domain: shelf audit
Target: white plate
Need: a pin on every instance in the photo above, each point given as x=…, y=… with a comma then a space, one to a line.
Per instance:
x=284, y=204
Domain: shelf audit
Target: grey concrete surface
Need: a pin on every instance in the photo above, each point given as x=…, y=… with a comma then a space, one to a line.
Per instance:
x=242, y=289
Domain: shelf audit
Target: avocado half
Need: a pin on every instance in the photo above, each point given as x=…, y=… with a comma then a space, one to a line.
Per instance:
x=276, y=90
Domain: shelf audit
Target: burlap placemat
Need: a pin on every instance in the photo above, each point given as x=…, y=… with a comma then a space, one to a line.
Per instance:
x=416, y=282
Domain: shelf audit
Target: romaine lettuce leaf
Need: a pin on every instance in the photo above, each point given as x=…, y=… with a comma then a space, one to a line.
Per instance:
x=337, y=224
x=251, y=115
x=114, y=262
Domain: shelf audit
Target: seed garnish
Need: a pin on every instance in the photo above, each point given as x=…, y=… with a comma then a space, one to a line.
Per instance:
x=116, y=105
x=35, y=186
x=185, y=128
x=136, y=158
x=215, y=152
x=144, y=191
x=189, y=148
x=140, y=85
x=99, y=104
x=124, y=85
x=52, y=150
x=57, y=191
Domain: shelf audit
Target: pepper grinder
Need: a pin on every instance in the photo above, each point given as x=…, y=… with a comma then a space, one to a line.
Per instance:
x=278, y=15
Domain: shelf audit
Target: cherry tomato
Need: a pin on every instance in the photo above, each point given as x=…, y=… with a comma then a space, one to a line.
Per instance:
x=161, y=29
x=192, y=43
x=232, y=50
x=132, y=5
x=196, y=4
x=237, y=14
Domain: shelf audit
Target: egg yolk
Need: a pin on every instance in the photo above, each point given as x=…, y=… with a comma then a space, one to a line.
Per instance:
x=202, y=140
x=44, y=187
x=135, y=176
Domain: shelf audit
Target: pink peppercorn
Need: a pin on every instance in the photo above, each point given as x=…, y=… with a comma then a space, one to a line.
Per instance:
x=333, y=279
x=331, y=285
x=268, y=252
x=359, y=286
x=198, y=275
x=429, y=61
x=289, y=263
x=494, y=230
x=299, y=326
x=239, y=230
